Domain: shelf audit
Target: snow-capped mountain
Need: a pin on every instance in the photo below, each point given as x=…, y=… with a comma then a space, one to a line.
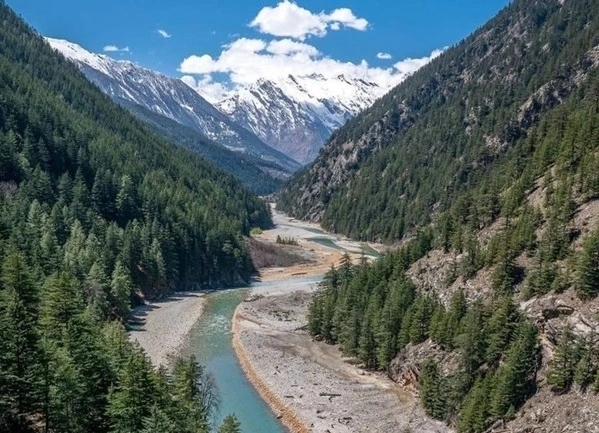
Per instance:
x=297, y=114
x=129, y=84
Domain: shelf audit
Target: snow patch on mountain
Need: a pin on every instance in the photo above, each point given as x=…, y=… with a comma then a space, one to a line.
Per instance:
x=297, y=114
x=128, y=83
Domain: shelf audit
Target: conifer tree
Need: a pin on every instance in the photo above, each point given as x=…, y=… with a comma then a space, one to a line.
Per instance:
x=587, y=278
x=560, y=372
x=158, y=421
x=121, y=289
x=474, y=415
x=230, y=425
x=515, y=380
x=131, y=400
x=431, y=390
x=20, y=357
x=586, y=368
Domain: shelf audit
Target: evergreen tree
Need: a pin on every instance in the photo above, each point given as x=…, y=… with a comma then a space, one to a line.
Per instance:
x=560, y=372
x=475, y=415
x=20, y=358
x=586, y=368
x=515, y=380
x=121, y=289
x=158, y=421
x=131, y=400
x=431, y=390
x=587, y=278
x=230, y=425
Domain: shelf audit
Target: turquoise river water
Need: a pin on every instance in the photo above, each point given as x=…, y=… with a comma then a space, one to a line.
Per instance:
x=210, y=342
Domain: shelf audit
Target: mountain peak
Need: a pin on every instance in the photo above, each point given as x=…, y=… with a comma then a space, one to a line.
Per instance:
x=132, y=85
x=296, y=114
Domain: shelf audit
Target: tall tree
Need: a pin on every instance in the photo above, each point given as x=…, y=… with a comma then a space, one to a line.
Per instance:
x=20, y=357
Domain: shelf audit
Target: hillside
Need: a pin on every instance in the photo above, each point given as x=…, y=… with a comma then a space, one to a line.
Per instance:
x=96, y=212
x=260, y=176
x=486, y=176
x=444, y=129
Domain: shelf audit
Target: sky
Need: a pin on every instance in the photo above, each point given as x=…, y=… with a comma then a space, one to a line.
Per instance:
x=218, y=44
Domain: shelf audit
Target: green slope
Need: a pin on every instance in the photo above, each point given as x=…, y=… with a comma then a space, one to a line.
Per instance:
x=258, y=175
x=442, y=131
x=96, y=211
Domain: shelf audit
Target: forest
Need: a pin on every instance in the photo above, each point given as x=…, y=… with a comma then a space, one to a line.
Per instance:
x=256, y=174
x=374, y=311
x=97, y=212
x=491, y=173
x=453, y=127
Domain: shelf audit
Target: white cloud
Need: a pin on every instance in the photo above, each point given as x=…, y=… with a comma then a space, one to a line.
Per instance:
x=212, y=91
x=163, y=33
x=244, y=61
x=287, y=19
x=115, y=49
x=384, y=56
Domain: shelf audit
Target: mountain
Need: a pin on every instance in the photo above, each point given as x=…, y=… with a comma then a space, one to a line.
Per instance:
x=481, y=170
x=297, y=114
x=97, y=212
x=260, y=176
x=127, y=83
x=443, y=129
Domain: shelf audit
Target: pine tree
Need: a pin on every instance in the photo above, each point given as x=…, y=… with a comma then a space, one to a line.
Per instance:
x=505, y=273
x=560, y=372
x=501, y=328
x=131, y=400
x=515, y=380
x=158, y=421
x=230, y=425
x=587, y=278
x=367, y=349
x=121, y=289
x=474, y=415
x=195, y=394
x=20, y=357
x=586, y=369
x=431, y=390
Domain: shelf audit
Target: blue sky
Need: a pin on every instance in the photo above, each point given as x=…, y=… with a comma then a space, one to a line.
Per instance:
x=363, y=29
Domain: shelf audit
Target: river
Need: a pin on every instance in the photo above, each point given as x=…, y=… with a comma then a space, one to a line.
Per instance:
x=210, y=342
x=211, y=339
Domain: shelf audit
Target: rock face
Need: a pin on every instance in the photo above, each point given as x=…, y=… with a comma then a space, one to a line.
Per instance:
x=129, y=84
x=297, y=114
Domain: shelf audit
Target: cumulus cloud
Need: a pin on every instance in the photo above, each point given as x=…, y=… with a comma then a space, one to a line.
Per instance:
x=211, y=90
x=384, y=56
x=245, y=60
x=115, y=49
x=287, y=19
x=163, y=33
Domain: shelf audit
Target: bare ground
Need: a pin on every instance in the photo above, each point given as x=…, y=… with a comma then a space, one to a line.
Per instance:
x=164, y=325
x=310, y=384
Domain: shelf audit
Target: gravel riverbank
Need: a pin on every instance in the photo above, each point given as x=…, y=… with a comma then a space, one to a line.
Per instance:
x=164, y=325
x=309, y=384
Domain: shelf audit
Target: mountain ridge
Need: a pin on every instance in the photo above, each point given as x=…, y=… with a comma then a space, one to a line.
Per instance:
x=297, y=114
x=466, y=102
x=126, y=83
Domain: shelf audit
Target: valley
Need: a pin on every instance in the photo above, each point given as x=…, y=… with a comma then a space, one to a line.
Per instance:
x=292, y=223
x=217, y=327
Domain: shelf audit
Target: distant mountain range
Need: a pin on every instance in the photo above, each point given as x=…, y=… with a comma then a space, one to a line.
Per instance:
x=296, y=115
x=285, y=121
x=131, y=85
